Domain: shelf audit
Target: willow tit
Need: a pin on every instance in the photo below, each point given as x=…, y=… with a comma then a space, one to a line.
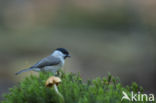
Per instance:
x=52, y=63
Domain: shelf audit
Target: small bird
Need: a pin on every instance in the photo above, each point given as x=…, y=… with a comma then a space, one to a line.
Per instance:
x=52, y=63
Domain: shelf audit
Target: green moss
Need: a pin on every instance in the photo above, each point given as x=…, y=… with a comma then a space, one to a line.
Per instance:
x=100, y=90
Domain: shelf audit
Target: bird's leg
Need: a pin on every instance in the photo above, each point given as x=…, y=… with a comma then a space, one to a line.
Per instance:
x=56, y=73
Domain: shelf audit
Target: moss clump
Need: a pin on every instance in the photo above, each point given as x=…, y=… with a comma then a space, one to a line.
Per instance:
x=100, y=90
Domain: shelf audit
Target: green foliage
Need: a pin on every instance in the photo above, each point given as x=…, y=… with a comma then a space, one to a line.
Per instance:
x=100, y=90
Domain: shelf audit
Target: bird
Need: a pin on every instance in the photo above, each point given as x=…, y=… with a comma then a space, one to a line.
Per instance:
x=51, y=63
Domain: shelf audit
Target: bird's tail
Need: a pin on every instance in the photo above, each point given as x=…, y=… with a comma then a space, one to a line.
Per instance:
x=24, y=70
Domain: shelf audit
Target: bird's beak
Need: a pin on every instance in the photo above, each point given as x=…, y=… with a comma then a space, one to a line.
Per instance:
x=68, y=56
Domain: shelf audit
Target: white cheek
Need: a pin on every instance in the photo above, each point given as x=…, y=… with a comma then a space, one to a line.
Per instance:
x=58, y=54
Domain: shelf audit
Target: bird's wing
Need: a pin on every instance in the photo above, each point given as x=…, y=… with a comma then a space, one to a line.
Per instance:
x=48, y=61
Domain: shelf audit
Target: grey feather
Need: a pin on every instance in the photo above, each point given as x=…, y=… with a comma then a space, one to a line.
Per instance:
x=48, y=61
x=25, y=70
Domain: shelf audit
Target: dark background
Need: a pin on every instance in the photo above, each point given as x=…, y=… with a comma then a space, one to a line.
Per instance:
x=116, y=36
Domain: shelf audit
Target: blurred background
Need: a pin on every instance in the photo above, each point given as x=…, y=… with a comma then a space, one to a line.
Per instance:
x=116, y=36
